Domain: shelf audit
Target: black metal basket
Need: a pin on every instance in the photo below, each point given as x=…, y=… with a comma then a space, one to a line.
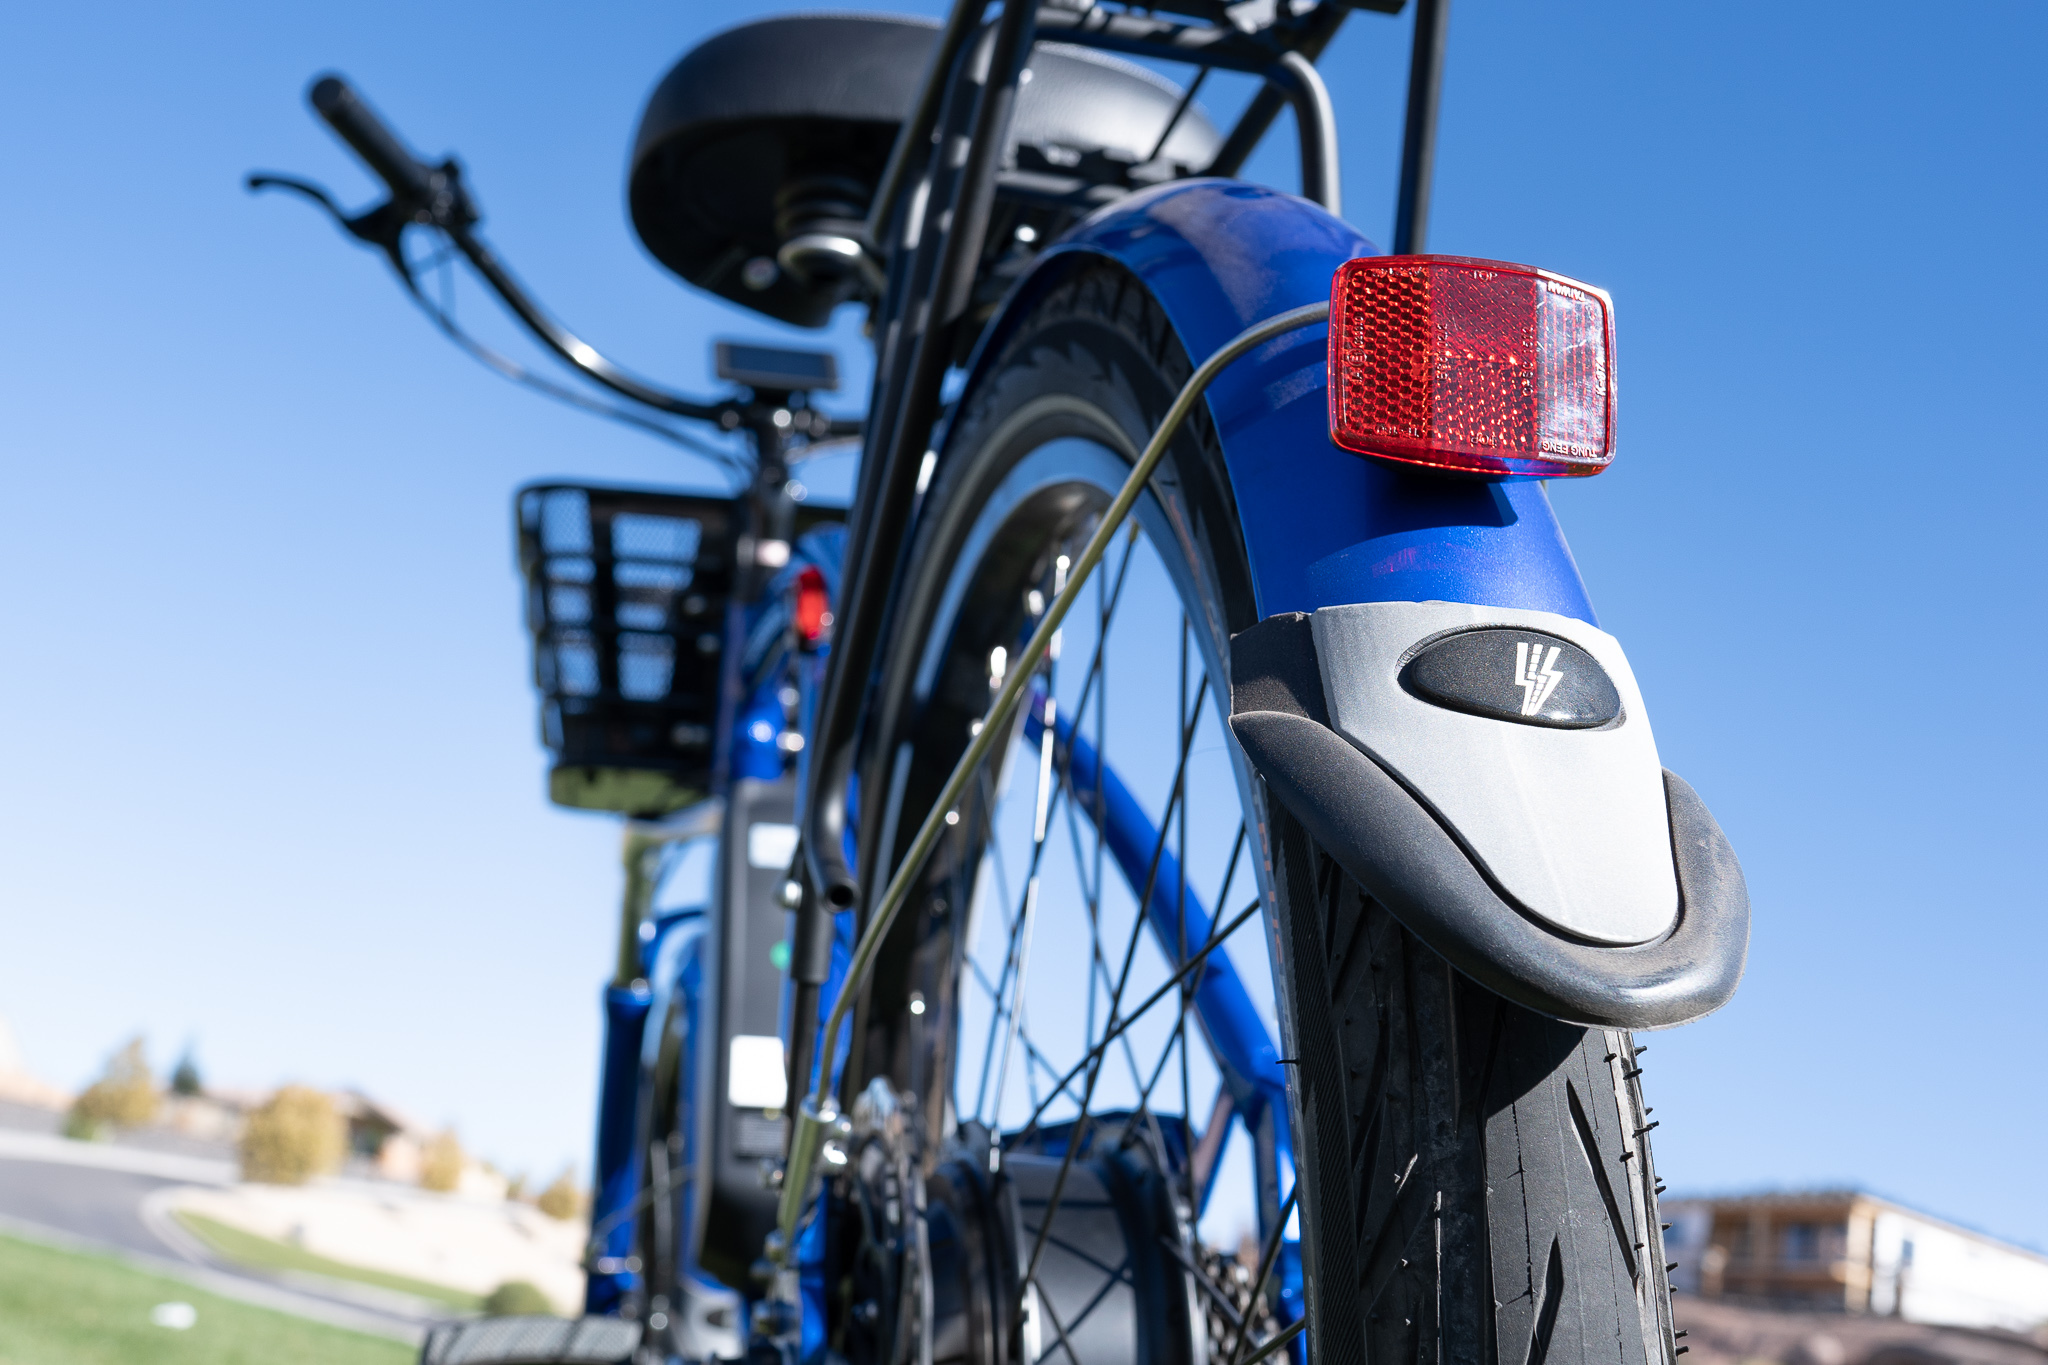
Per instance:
x=626, y=594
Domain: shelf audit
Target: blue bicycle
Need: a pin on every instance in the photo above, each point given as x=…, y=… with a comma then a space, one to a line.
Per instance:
x=1187, y=864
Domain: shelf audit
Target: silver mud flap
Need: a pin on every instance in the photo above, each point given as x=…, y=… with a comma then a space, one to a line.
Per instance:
x=1489, y=776
x=534, y=1340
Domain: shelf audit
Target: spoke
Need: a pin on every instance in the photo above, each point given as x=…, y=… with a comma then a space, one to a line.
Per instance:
x=1042, y=799
x=1188, y=990
x=1031, y=1052
x=988, y=827
x=985, y=811
x=1123, y=979
x=1098, y=968
x=1278, y=1340
x=1267, y=1258
x=1207, y=1285
x=1059, y=1328
x=1117, y=1031
x=1107, y=606
x=1180, y=924
x=1096, y=671
x=1026, y=919
x=1013, y=926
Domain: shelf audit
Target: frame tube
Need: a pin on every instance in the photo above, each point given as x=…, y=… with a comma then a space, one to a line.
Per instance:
x=1418, y=137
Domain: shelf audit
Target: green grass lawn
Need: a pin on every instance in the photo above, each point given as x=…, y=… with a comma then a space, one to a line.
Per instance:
x=68, y=1308
x=261, y=1253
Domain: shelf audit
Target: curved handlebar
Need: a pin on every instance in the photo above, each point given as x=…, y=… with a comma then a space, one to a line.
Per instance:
x=407, y=176
x=435, y=196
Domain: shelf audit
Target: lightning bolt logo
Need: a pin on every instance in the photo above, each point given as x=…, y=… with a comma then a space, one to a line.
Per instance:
x=1536, y=675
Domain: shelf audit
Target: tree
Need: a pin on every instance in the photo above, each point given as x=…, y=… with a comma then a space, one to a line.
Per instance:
x=442, y=1162
x=125, y=1096
x=185, y=1076
x=562, y=1199
x=295, y=1135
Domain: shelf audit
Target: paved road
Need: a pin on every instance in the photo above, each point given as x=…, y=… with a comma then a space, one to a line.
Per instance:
x=100, y=1206
x=91, y=1196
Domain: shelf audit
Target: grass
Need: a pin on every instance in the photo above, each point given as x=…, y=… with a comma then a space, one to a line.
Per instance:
x=70, y=1308
x=261, y=1253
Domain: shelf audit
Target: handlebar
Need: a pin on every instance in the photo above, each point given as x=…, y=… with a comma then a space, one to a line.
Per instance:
x=358, y=125
x=435, y=196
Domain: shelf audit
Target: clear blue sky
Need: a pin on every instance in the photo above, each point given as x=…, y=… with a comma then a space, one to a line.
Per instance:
x=269, y=778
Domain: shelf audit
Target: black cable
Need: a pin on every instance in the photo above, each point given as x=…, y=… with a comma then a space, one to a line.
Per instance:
x=561, y=393
x=378, y=229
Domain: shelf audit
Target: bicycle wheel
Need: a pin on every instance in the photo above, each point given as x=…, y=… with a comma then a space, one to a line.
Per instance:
x=1110, y=1082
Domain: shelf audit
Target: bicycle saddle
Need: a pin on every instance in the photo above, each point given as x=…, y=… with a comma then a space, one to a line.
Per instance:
x=782, y=127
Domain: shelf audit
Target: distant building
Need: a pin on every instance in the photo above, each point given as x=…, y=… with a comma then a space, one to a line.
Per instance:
x=1852, y=1252
x=382, y=1141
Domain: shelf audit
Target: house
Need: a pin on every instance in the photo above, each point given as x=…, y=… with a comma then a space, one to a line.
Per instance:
x=382, y=1141
x=1853, y=1252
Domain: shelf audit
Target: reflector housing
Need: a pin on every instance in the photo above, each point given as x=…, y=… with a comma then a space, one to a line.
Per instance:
x=1482, y=367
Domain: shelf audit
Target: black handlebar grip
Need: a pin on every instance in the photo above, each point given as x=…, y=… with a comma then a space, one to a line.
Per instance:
x=376, y=144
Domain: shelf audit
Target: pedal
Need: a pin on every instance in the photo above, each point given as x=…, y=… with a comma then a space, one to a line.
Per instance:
x=532, y=1340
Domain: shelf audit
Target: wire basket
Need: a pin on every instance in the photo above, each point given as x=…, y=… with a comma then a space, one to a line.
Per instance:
x=626, y=597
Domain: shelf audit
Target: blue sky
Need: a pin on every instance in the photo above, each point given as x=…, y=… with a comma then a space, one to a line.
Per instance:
x=270, y=779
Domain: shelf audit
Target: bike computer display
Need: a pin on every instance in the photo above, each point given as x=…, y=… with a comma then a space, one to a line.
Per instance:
x=771, y=367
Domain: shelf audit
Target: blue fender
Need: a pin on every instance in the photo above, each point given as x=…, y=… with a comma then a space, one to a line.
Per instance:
x=1323, y=527
x=1326, y=528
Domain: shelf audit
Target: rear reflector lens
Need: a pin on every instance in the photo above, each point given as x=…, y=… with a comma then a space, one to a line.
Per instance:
x=813, y=605
x=1477, y=366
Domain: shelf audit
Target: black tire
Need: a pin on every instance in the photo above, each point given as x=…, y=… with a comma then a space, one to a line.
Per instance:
x=1480, y=1186
x=1476, y=1178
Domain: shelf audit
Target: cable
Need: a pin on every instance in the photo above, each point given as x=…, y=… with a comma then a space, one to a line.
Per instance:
x=511, y=369
x=819, y=1112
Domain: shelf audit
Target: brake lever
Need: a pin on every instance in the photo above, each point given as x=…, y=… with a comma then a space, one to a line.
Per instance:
x=382, y=226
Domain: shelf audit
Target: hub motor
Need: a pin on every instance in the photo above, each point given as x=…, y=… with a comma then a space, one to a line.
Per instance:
x=935, y=1261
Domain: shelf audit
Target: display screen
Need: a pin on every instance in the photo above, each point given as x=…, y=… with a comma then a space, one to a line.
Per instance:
x=771, y=367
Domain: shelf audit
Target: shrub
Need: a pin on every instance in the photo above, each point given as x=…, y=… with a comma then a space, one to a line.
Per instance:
x=124, y=1096
x=295, y=1135
x=442, y=1162
x=515, y=1297
x=562, y=1199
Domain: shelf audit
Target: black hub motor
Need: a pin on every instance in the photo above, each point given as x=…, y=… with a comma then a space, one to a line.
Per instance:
x=928, y=1256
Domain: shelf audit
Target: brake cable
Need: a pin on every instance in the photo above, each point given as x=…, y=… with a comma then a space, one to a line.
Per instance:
x=819, y=1113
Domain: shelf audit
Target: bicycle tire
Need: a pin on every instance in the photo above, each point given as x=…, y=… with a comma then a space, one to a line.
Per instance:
x=1476, y=1179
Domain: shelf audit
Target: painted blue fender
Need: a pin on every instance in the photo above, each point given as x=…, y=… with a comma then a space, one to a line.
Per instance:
x=1324, y=527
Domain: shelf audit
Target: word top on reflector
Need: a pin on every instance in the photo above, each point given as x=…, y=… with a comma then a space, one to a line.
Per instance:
x=1479, y=367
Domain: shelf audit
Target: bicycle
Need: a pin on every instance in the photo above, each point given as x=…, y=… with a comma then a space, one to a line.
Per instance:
x=1139, y=431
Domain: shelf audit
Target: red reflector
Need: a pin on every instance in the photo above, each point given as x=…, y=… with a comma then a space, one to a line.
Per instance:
x=813, y=605
x=1471, y=365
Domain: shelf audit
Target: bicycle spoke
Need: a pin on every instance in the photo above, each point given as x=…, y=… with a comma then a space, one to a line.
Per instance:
x=1242, y=918
x=1188, y=989
x=1041, y=817
x=1267, y=1258
x=1180, y=917
x=1098, y=968
x=1031, y=1052
x=1123, y=979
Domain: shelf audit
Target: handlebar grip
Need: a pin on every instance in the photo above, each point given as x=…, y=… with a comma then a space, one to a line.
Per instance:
x=377, y=145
